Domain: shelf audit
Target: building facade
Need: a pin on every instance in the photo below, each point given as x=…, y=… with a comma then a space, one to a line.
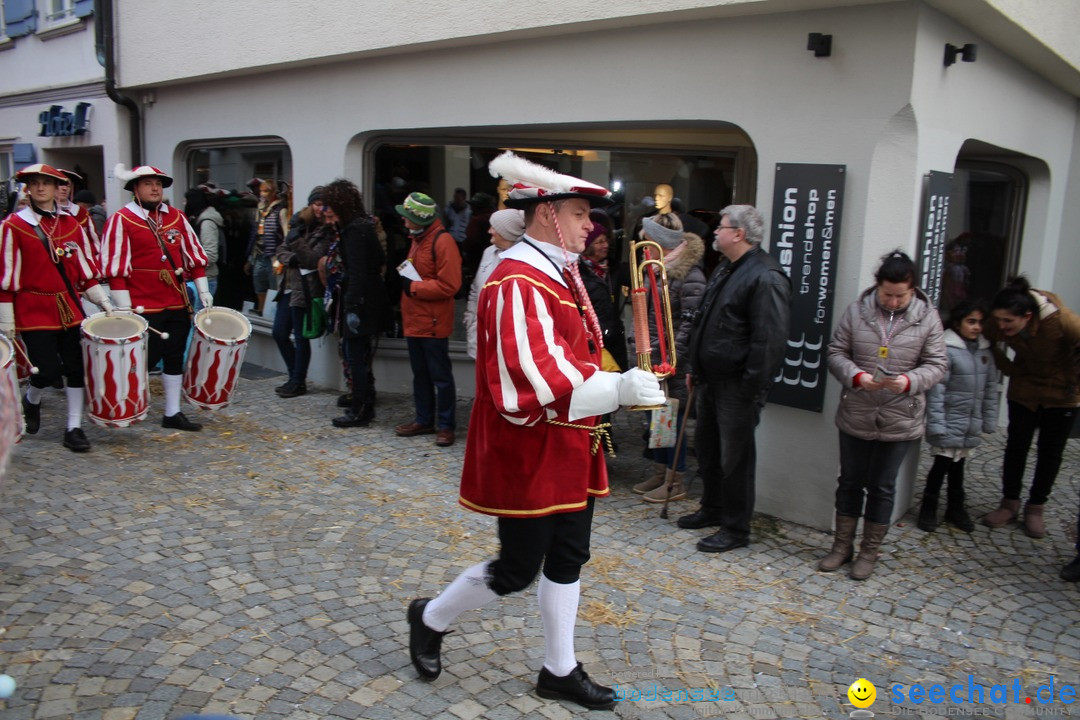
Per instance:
x=721, y=101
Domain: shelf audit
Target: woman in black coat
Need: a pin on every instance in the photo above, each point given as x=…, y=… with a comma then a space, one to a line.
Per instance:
x=362, y=308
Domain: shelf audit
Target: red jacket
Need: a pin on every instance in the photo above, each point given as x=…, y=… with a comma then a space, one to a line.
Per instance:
x=93, y=244
x=532, y=353
x=131, y=257
x=28, y=272
x=428, y=309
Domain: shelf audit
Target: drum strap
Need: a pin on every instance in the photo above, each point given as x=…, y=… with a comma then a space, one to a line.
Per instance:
x=63, y=274
x=176, y=283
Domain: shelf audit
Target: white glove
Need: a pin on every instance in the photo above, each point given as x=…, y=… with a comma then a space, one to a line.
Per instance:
x=7, y=320
x=203, y=286
x=637, y=387
x=97, y=295
x=121, y=298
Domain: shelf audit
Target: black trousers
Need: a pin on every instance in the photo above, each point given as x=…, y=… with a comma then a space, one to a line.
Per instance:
x=559, y=543
x=55, y=353
x=868, y=475
x=727, y=455
x=1054, y=426
x=178, y=324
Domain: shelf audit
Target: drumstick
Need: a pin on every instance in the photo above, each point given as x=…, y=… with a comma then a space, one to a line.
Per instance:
x=164, y=335
x=19, y=349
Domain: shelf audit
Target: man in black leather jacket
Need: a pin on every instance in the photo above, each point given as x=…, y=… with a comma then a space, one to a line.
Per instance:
x=736, y=348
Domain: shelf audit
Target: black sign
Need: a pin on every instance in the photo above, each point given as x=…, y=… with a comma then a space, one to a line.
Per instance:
x=56, y=122
x=807, y=207
x=933, y=228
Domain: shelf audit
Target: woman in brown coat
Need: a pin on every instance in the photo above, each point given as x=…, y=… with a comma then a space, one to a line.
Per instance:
x=888, y=350
x=1043, y=393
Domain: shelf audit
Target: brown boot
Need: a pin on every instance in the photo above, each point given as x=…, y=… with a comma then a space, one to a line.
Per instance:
x=1005, y=514
x=872, y=535
x=843, y=547
x=655, y=480
x=1034, y=527
x=658, y=495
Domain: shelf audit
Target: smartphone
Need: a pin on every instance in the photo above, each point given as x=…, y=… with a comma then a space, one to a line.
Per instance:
x=881, y=373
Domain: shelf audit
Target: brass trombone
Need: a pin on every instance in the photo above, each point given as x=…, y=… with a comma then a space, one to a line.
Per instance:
x=648, y=278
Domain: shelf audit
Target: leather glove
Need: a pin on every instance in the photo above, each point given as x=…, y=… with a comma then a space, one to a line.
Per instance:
x=406, y=286
x=122, y=299
x=97, y=295
x=637, y=387
x=203, y=286
x=7, y=320
x=353, y=321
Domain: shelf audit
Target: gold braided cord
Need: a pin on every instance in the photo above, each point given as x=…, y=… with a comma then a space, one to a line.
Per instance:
x=599, y=433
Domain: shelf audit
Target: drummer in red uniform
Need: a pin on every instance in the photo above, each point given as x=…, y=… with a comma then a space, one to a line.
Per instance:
x=146, y=248
x=93, y=242
x=43, y=268
x=533, y=457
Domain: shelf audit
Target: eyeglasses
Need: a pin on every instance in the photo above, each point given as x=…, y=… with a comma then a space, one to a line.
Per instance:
x=728, y=227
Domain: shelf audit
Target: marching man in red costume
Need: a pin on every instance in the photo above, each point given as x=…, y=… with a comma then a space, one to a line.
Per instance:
x=533, y=454
x=43, y=268
x=146, y=247
x=93, y=242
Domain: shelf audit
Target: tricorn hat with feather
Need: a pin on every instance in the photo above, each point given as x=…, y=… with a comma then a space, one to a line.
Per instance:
x=532, y=183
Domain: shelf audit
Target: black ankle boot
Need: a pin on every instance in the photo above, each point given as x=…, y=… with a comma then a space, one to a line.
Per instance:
x=928, y=521
x=425, y=644
x=355, y=417
x=957, y=516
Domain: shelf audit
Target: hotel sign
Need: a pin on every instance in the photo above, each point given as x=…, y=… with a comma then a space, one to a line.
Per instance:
x=57, y=122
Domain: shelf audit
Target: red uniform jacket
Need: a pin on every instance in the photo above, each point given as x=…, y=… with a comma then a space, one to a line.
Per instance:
x=28, y=271
x=532, y=353
x=93, y=242
x=132, y=259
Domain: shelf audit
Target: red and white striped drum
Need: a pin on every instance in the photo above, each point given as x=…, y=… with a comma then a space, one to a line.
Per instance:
x=215, y=356
x=11, y=417
x=114, y=366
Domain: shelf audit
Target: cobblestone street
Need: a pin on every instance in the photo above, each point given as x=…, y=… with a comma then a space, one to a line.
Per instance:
x=262, y=567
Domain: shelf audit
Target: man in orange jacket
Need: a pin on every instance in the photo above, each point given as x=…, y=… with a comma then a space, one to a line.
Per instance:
x=427, y=314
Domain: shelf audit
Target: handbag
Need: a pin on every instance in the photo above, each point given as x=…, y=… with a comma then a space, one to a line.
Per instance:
x=664, y=425
x=315, y=317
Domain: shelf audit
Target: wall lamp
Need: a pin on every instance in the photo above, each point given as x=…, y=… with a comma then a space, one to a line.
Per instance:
x=968, y=53
x=821, y=45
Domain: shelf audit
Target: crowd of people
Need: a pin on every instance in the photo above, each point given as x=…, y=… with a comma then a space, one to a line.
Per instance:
x=544, y=324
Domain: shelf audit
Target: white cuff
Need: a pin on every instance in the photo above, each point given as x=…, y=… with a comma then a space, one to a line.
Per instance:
x=202, y=285
x=596, y=396
x=7, y=318
x=122, y=299
x=97, y=295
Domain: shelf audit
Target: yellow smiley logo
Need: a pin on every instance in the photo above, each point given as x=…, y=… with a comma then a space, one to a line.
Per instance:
x=862, y=693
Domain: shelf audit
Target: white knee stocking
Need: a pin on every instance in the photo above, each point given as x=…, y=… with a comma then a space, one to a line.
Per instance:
x=74, y=407
x=558, y=610
x=469, y=591
x=172, y=384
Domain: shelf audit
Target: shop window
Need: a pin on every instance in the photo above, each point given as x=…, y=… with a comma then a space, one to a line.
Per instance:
x=985, y=220
x=700, y=182
x=228, y=168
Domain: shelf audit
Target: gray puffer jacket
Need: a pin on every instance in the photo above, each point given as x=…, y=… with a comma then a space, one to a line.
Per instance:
x=963, y=406
x=916, y=349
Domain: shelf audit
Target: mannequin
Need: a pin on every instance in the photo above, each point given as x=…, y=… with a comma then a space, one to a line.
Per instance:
x=662, y=196
x=504, y=192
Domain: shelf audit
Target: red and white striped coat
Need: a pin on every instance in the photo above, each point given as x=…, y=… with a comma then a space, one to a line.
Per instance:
x=93, y=242
x=28, y=271
x=532, y=354
x=131, y=257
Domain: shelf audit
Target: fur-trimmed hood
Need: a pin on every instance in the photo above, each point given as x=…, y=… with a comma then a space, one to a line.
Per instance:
x=679, y=267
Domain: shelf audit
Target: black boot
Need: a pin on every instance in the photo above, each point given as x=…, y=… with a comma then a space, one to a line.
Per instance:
x=75, y=440
x=355, y=417
x=344, y=401
x=180, y=422
x=292, y=389
x=928, y=521
x=425, y=644
x=955, y=513
x=31, y=416
x=576, y=687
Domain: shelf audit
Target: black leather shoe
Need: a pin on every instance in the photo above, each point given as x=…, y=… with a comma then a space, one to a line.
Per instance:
x=291, y=390
x=575, y=687
x=425, y=644
x=352, y=418
x=703, y=517
x=344, y=401
x=1071, y=572
x=721, y=541
x=75, y=440
x=179, y=422
x=31, y=416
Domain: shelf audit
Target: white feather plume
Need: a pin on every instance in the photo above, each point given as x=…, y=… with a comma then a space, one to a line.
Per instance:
x=122, y=174
x=519, y=171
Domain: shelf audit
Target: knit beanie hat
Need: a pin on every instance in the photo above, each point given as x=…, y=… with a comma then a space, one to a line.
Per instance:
x=419, y=208
x=316, y=195
x=509, y=224
x=667, y=238
x=598, y=229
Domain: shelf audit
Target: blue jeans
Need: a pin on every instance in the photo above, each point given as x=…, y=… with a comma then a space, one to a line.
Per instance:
x=868, y=471
x=288, y=321
x=433, y=382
